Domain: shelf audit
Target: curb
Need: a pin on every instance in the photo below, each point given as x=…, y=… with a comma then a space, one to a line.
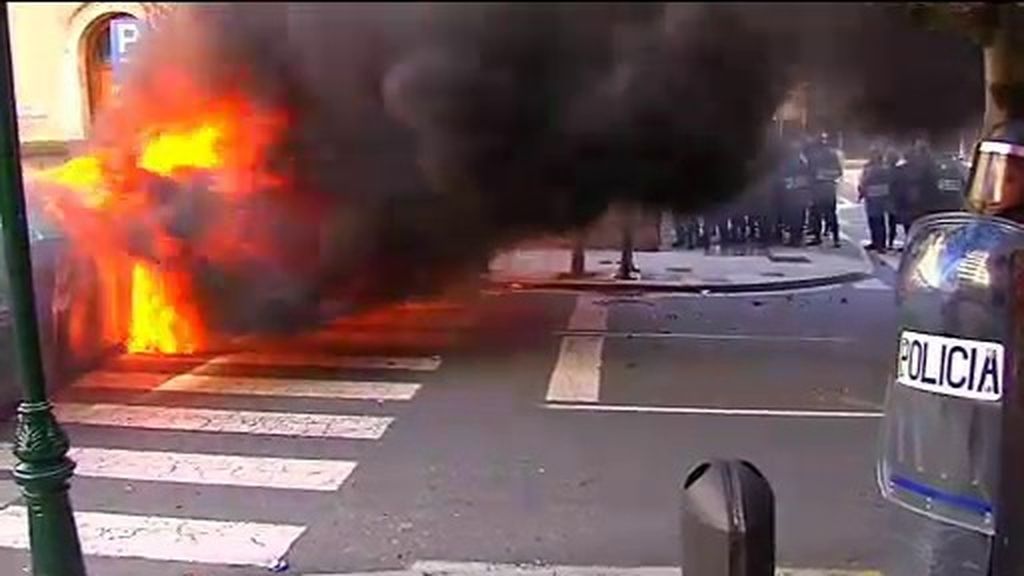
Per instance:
x=883, y=263
x=485, y=569
x=617, y=286
x=655, y=286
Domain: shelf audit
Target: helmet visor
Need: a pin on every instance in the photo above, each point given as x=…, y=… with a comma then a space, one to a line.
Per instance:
x=997, y=179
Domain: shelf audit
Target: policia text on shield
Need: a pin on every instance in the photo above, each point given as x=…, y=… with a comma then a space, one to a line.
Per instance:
x=952, y=366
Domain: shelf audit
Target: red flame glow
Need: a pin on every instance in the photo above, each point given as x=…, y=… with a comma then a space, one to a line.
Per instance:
x=182, y=132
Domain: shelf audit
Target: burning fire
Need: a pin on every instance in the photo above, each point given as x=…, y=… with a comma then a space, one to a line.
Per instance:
x=97, y=196
x=159, y=319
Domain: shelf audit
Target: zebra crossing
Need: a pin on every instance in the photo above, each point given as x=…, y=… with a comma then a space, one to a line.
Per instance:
x=162, y=422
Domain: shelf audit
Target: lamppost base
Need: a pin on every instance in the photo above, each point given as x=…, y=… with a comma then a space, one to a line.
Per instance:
x=43, y=473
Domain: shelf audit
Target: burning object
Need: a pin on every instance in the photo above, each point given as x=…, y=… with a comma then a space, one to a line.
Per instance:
x=132, y=204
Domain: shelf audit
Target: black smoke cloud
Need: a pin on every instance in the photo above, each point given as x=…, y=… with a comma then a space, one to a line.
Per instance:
x=878, y=69
x=424, y=137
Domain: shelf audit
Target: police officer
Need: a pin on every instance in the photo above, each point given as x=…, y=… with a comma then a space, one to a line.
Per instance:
x=826, y=170
x=768, y=194
x=921, y=182
x=952, y=178
x=796, y=178
x=687, y=231
x=761, y=216
x=895, y=211
x=873, y=190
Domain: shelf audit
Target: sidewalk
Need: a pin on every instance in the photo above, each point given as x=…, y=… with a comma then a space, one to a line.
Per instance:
x=740, y=269
x=486, y=569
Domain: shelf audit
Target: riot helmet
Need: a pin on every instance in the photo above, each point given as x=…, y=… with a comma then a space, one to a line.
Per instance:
x=996, y=187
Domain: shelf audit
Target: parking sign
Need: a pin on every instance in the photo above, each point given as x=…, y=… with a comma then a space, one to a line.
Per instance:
x=125, y=33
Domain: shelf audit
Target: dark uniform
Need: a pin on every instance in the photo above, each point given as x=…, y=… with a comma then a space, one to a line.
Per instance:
x=687, y=231
x=762, y=207
x=895, y=210
x=952, y=179
x=796, y=194
x=875, y=182
x=921, y=183
x=826, y=170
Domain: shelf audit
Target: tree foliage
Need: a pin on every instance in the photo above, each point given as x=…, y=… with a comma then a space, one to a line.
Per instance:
x=976, y=20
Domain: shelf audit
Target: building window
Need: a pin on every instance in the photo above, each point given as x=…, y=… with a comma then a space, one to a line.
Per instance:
x=99, y=64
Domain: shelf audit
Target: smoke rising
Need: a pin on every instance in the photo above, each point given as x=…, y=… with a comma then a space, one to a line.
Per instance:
x=878, y=70
x=421, y=138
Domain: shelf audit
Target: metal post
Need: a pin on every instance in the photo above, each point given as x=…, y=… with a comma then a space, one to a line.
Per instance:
x=578, y=265
x=41, y=446
x=627, y=269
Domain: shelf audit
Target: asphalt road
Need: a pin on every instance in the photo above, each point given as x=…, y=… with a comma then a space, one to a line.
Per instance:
x=478, y=465
x=528, y=427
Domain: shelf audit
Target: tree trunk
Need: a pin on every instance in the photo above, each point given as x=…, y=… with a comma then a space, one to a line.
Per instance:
x=627, y=267
x=578, y=264
x=1004, y=69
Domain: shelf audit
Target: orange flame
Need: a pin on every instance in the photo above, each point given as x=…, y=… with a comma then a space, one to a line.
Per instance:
x=84, y=176
x=171, y=151
x=159, y=319
x=171, y=134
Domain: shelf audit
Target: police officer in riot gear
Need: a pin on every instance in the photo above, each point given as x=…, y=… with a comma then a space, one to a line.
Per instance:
x=796, y=178
x=953, y=427
x=921, y=181
x=873, y=190
x=826, y=169
x=687, y=231
x=895, y=210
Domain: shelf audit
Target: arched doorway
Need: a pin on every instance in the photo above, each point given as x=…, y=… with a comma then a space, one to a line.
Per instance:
x=98, y=60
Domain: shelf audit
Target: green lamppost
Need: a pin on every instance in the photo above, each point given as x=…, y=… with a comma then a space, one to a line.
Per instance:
x=41, y=446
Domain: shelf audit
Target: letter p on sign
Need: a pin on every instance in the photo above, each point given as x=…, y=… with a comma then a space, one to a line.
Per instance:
x=125, y=33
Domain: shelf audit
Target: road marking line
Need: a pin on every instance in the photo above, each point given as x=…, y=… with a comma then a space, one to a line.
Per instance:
x=211, y=469
x=237, y=421
x=323, y=360
x=872, y=284
x=709, y=411
x=248, y=386
x=577, y=373
x=699, y=336
x=588, y=314
x=825, y=572
x=163, y=538
x=422, y=340
x=443, y=568
x=289, y=358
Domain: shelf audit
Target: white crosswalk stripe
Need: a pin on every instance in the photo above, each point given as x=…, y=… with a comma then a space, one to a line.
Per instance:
x=231, y=421
x=282, y=358
x=321, y=360
x=249, y=386
x=240, y=541
x=163, y=538
x=213, y=469
x=576, y=376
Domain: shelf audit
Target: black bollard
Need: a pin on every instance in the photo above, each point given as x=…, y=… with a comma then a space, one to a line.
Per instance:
x=728, y=521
